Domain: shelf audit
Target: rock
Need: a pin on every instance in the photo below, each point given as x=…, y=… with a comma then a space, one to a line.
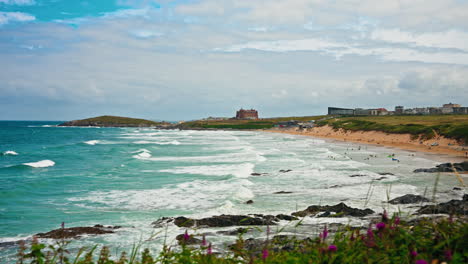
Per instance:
x=381, y=178
x=457, y=189
x=286, y=217
x=190, y=241
x=446, y=167
x=257, y=174
x=357, y=175
x=282, y=192
x=184, y=222
x=224, y=221
x=234, y=232
x=284, y=171
x=249, y=202
x=409, y=199
x=162, y=222
x=385, y=173
x=339, y=210
x=75, y=232
x=457, y=207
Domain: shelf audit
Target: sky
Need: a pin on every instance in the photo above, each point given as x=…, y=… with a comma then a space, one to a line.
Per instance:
x=190, y=59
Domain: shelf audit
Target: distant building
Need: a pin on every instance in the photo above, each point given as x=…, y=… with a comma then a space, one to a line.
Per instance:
x=460, y=110
x=378, y=111
x=340, y=111
x=360, y=111
x=435, y=110
x=422, y=110
x=399, y=110
x=247, y=114
x=450, y=105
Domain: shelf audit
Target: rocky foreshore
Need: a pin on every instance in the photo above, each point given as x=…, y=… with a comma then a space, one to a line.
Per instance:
x=246, y=223
x=447, y=167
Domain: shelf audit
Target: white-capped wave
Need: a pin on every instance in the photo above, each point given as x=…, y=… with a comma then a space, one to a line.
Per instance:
x=239, y=170
x=10, y=152
x=142, y=142
x=92, y=142
x=40, y=164
x=142, y=154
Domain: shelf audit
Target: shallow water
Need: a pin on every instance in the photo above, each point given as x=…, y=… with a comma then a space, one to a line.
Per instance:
x=131, y=177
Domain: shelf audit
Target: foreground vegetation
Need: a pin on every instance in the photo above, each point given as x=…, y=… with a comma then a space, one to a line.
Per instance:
x=389, y=241
x=450, y=126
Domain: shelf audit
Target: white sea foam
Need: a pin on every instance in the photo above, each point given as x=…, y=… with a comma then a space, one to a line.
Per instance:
x=40, y=164
x=238, y=170
x=10, y=152
x=142, y=154
x=92, y=142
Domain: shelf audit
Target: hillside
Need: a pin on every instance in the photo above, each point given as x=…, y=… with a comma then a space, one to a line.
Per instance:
x=113, y=121
x=243, y=124
x=449, y=126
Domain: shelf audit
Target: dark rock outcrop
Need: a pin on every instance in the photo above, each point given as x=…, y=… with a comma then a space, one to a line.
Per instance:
x=258, y=174
x=234, y=232
x=385, y=173
x=409, y=199
x=249, y=202
x=191, y=240
x=337, y=210
x=357, y=175
x=286, y=217
x=282, y=192
x=446, y=167
x=75, y=232
x=452, y=207
x=225, y=220
x=284, y=171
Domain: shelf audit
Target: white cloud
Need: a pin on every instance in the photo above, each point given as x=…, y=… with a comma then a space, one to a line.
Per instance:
x=8, y=17
x=448, y=39
x=340, y=49
x=18, y=2
x=402, y=13
x=144, y=33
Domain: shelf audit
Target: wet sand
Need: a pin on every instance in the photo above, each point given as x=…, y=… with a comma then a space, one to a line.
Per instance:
x=437, y=145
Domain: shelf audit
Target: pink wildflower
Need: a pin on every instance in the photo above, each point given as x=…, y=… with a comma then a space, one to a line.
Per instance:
x=380, y=225
x=264, y=254
x=370, y=233
x=421, y=261
x=324, y=234
x=384, y=216
x=186, y=236
x=397, y=220
x=448, y=254
x=332, y=248
x=203, y=242
x=414, y=253
x=209, y=250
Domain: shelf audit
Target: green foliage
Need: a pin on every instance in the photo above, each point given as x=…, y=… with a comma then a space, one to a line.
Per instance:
x=443, y=240
x=457, y=131
x=116, y=120
x=243, y=124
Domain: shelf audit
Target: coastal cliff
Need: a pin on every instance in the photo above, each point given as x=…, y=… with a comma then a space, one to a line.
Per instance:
x=113, y=121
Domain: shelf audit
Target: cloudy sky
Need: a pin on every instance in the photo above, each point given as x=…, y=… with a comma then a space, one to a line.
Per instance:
x=187, y=59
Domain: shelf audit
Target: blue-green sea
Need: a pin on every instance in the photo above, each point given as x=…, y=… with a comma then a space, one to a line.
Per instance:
x=131, y=177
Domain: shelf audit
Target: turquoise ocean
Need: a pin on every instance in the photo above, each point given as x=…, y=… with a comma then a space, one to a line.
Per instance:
x=133, y=176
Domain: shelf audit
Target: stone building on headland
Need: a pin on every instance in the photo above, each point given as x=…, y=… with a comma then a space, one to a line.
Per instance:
x=247, y=114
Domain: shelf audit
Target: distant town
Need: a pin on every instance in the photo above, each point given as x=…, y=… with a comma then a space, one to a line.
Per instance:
x=400, y=110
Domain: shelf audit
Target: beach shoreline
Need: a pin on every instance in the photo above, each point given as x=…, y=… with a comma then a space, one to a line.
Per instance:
x=436, y=146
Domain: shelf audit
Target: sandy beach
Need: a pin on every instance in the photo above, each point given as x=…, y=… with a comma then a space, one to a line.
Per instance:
x=437, y=145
